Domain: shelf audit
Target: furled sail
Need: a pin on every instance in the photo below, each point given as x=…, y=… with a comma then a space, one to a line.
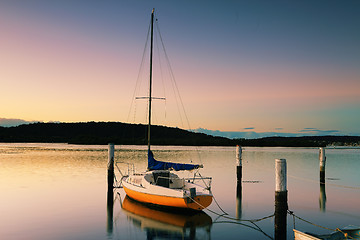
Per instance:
x=159, y=165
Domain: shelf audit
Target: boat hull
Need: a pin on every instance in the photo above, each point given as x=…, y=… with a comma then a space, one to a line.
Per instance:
x=175, y=200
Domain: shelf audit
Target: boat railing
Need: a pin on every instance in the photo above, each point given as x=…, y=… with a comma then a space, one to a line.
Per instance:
x=201, y=182
x=128, y=168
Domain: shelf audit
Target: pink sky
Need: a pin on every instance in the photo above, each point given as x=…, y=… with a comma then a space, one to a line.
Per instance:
x=68, y=62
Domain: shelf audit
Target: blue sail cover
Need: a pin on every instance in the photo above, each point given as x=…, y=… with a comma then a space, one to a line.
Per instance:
x=159, y=165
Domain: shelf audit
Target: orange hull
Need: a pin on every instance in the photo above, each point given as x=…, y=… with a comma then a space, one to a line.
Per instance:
x=201, y=201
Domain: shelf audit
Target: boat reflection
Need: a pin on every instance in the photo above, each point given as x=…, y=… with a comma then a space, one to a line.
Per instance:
x=167, y=224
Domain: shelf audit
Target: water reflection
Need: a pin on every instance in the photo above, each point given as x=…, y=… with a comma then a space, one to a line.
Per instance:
x=165, y=224
x=110, y=212
x=47, y=174
x=322, y=198
x=238, y=200
x=281, y=207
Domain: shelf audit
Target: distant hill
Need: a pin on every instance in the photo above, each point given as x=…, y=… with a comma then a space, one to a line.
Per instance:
x=136, y=134
x=106, y=132
x=306, y=141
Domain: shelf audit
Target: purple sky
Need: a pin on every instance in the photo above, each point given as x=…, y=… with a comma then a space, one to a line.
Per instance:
x=259, y=66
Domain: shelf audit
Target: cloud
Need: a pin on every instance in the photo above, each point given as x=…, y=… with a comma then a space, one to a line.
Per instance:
x=316, y=131
x=13, y=122
x=249, y=128
x=253, y=134
x=279, y=129
x=247, y=135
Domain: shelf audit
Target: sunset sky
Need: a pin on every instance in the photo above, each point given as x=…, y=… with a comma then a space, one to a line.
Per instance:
x=262, y=66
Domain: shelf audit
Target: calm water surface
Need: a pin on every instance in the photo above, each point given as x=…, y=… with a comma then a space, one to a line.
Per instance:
x=59, y=191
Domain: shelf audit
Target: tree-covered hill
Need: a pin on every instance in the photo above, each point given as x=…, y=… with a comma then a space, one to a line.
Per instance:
x=106, y=132
x=136, y=134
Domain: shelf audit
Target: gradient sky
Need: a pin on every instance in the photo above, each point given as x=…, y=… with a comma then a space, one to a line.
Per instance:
x=264, y=66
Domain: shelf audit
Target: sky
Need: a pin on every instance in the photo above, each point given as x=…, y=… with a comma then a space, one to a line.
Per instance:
x=279, y=67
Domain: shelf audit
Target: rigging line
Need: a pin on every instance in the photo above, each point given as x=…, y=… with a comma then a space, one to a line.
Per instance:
x=160, y=61
x=160, y=66
x=342, y=186
x=316, y=181
x=172, y=78
x=178, y=93
x=329, y=184
x=135, y=109
x=138, y=82
x=173, y=81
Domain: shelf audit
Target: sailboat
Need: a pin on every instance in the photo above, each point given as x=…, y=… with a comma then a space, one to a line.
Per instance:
x=159, y=185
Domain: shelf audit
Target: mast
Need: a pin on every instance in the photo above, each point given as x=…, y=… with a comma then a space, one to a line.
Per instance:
x=150, y=81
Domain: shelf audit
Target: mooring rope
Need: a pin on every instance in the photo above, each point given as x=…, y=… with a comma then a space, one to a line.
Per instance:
x=342, y=186
x=253, y=221
x=208, y=187
x=138, y=82
x=217, y=204
x=317, y=225
x=237, y=220
x=330, y=184
x=228, y=216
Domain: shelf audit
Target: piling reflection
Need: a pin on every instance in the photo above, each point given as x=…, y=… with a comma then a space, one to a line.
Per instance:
x=322, y=198
x=281, y=207
x=110, y=212
x=238, y=200
x=166, y=224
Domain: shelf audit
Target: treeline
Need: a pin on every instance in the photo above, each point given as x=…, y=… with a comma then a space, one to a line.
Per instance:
x=106, y=132
x=306, y=141
x=136, y=134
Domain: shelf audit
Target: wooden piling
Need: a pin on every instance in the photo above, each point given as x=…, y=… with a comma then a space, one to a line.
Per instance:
x=281, y=204
x=322, y=159
x=110, y=191
x=239, y=183
x=238, y=163
x=110, y=167
x=280, y=175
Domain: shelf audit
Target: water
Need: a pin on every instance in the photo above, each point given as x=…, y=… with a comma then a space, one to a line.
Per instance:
x=59, y=191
